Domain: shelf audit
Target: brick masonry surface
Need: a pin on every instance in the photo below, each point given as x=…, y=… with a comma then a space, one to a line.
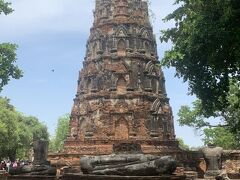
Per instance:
x=121, y=95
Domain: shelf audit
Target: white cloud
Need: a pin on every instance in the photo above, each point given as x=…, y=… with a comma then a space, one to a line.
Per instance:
x=33, y=17
x=37, y=16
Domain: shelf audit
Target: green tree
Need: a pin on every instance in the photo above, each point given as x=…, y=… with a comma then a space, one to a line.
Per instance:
x=5, y=7
x=182, y=145
x=9, y=137
x=37, y=129
x=220, y=136
x=8, y=69
x=30, y=129
x=206, y=48
x=57, y=141
x=17, y=131
x=226, y=132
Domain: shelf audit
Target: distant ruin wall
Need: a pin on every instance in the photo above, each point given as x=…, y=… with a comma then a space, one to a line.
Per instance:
x=231, y=161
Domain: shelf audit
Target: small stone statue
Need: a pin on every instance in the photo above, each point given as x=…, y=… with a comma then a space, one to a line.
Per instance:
x=40, y=149
x=128, y=165
x=40, y=165
x=212, y=155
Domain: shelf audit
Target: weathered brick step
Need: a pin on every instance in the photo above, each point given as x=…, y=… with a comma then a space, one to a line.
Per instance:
x=31, y=178
x=97, y=177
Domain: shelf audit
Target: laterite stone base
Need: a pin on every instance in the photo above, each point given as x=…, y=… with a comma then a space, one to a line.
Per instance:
x=95, y=177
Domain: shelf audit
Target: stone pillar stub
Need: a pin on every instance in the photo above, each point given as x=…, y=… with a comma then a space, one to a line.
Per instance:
x=40, y=149
x=213, y=158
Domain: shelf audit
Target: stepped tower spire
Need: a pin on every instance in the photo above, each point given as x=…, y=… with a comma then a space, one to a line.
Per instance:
x=121, y=94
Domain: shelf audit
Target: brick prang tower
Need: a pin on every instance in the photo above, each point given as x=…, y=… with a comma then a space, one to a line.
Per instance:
x=121, y=96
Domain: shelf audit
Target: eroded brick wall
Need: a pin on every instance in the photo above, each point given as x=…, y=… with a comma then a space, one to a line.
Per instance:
x=121, y=93
x=231, y=161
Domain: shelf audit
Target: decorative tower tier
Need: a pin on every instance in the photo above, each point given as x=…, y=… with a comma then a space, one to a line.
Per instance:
x=121, y=96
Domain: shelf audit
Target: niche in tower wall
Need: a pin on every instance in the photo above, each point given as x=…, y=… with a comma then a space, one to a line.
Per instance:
x=81, y=127
x=112, y=45
x=81, y=122
x=151, y=72
x=134, y=126
x=155, y=84
x=158, y=118
x=121, y=129
x=155, y=125
x=162, y=88
x=134, y=73
x=138, y=44
x=94, y=50
x=130, y=45
x=103, y=46
x=130, y=86
x=121, y=48
x=146, y=47
x=114, y=80
x=121, y=85
x=88, y=85
x=166, y=135
x=92, y=84
x=147, y=83
x=81, y=86
x=74, y=127
x=89, y=127
x=107, y=81
x=95, y=84
x=100, y=82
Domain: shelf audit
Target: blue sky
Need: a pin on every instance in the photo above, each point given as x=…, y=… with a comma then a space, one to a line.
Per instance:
x=52, y=34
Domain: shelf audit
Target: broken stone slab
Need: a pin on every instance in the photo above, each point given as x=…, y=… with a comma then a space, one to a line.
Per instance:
x=128, y=165
x=34, y=170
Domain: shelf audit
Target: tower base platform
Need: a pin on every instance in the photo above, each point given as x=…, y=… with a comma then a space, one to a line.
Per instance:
x=97, y=177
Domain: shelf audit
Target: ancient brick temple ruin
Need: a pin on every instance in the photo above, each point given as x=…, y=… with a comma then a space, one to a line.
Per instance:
x=121, y=103
x=121, y=96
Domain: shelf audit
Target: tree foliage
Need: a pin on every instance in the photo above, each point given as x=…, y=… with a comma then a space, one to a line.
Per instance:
x=8, y=69
x=220, y=136
x=18, y=131
x=57, y=141
x=206, y=48
x=5, y=7
x=182, y=145
x=226, y=132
